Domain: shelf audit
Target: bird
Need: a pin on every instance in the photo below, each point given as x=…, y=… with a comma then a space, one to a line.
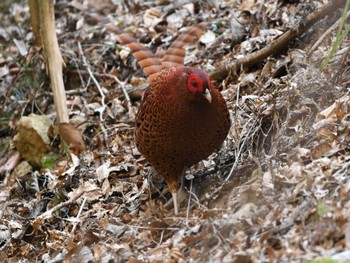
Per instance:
x=182, y=118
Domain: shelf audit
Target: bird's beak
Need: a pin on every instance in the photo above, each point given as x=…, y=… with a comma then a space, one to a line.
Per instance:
x=207, y=95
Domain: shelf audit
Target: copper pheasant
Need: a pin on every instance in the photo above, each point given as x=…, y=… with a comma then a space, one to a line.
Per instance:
x=183, y=118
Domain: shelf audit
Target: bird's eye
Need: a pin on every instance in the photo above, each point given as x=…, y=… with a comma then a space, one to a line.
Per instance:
x=195, y=83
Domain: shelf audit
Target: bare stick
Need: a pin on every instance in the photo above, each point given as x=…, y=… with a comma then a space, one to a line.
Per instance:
x=279, y=44
x=103, y=97
x=122, y=86
x=79, y=213
x=54, y=57
x=48, y=213
x=326, y=34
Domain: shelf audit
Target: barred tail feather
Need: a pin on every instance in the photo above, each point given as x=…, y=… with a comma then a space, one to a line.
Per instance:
x=175, y=54
x=149, y=62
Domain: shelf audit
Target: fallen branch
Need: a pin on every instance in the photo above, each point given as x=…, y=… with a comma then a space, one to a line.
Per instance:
x=326, y=34
x=290, y=220
x=49, y=213
x=280, y=43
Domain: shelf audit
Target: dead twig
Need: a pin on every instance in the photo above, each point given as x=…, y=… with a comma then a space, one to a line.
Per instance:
x=105, y=75
x=243, y=142
x=122, y=86
x=79, y=214
x=290, y=220
x=277, y=45
x=103, y=97
x=326, y=34
x=48, y=213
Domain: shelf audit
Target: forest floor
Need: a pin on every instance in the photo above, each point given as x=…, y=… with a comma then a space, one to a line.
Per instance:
x=276, y=191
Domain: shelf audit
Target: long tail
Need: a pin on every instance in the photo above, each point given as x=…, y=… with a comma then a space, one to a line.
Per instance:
x=148, y=61
x=175, y=54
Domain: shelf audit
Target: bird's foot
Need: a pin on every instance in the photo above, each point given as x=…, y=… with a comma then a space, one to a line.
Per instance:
x=177, y=199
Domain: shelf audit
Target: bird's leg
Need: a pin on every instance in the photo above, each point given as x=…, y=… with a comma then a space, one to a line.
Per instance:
x=176, y=209
x=178, y=195
x=182, y=181
x=181, y=193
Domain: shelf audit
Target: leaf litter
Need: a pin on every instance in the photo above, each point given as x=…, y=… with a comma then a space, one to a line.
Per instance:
x=277, y=190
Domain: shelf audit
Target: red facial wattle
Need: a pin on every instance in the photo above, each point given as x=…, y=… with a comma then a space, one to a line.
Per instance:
x=195, y=83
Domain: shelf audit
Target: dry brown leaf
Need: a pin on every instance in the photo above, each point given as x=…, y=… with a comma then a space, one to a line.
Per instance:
x=72, y=136
x=31, y=140
x=320, y=149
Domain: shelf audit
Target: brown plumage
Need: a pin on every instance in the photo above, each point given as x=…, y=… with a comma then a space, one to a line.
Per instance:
x=181, y=121
x=183, y=118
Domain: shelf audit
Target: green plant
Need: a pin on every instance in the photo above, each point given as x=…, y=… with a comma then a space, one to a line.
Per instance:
x=340, y=35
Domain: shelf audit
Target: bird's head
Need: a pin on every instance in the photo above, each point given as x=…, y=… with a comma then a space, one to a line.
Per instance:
x=198, y=82
x=191, y=82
